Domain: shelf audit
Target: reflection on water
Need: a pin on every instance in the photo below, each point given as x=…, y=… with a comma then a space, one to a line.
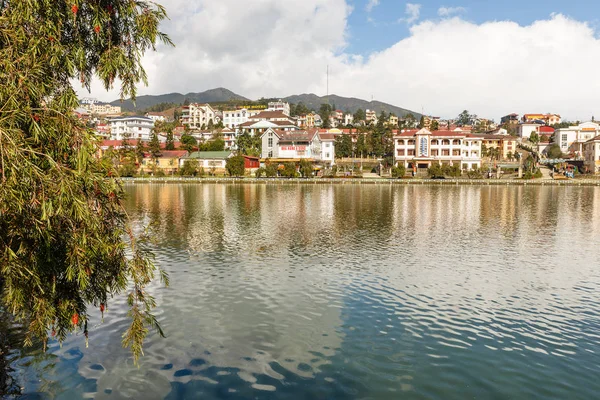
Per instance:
x=354, y=291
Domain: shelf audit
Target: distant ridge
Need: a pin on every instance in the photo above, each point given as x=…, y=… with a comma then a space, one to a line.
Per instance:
x=351, y=104
x=222, y=95
x=217, y=95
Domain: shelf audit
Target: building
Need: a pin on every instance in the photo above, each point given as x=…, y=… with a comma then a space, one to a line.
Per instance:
x=546, y=130
x=571, y=139
x=525, y=129
x=290, y=145
x=280, y=105
x=548, y=119
x=511, y=119
x=131, y=128
x=233, y=118
x=419, y=149
x=349, y=119
x=159, y=116
x=591, y=155
x=393, y=120
x=197, y=116
x=168, y=162
x=211, y=161
x=251, y=162
x=96, y=107
x=327, y=140
x=506, y=143
x=371, y=117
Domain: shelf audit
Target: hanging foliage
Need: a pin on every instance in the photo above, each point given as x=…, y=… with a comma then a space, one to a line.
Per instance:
x=62, y=222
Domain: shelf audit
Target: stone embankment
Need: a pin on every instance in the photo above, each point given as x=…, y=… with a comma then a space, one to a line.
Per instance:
x=362, y=181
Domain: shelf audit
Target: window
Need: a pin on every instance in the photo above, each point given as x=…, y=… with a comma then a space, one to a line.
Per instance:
x=445, y=142
x=564, y=137
x=327, y=145
x=327, y=155
x=401, y=152
x=456, y=152
x=411, y=142
x=270, y=142
x=411, y=152
x=434, y=142
x=445, y=152
x=270, y=154
x=400, y=142
x=435, y=152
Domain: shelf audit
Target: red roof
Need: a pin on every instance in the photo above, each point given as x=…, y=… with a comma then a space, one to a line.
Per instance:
x=546, y=129
x=169, y=154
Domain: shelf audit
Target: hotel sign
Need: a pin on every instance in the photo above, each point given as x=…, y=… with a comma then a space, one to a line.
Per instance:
x=423, y=147
x=293, y=148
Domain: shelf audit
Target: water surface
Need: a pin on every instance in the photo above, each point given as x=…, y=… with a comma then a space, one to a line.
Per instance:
x=348, y=291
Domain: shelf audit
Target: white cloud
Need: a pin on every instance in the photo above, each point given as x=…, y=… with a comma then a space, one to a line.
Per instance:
x=413, y=12
x=448, y=11
x=445, y=66
x=371, y=4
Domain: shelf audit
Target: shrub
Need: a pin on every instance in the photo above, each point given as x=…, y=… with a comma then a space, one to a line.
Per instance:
x=190, y=168
x=538, y=174
x=398, y=172
x=475, y=174
x=435, y=171
x=160, y=173
x=528, y=175
x=235, y=166
x=260, y=172
x=289, y=170
x=271, y=171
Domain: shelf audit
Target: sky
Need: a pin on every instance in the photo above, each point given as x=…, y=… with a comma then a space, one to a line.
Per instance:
x=489, y=57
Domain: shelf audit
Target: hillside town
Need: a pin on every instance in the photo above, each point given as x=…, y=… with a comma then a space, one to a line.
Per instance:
x=334, y=142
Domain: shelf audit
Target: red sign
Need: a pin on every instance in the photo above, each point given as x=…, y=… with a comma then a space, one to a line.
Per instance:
x=293, y=148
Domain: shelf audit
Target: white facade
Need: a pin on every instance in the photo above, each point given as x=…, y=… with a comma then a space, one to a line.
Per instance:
x=156, y=117
x=371, y=116
x=571, y=139
x=279, y=106
x=525, y=130
x=420, y=149
x=348, y=119
x=131, y=128
x=327, y=151
x=198, y=115
x=233, y=118
x=98, y=108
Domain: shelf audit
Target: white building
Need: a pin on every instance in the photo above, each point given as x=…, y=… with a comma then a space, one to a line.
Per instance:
x=197, y=116
x=348, y=119
x=98, y=108
x=571, y=139
x=419, y=149
x=158, y=116
x=131, y=128
x=234, y=118
x=525, y=130
x=371, y=117
x=327, y=152
x=279, y=106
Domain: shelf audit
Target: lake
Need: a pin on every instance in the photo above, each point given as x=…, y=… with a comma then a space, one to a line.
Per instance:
x=352, y=291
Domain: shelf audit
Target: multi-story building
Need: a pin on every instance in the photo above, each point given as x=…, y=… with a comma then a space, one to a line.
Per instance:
x=198, y=116
x=371, y=117
x=419, y=149
x=349, y=119
x=548, y=119
x=525, y=129
x=131, y=128
x=234, y=118
x=392, y=120
x=571, y=139
x=281, y=146
x=591, y=154
x=511, y=119
x=506, y=143
x=159, y=116
x=99, y=108
x=282, y=106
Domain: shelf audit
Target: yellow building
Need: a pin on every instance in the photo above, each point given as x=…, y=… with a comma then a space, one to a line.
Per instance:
x=506, y=144
x=168, y=162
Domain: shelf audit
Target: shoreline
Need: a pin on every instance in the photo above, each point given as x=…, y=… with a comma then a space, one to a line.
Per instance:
x=365, y=181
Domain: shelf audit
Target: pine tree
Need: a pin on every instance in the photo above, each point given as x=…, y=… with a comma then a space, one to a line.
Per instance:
x=62, y=220
x=154, y=146
x=170, y=144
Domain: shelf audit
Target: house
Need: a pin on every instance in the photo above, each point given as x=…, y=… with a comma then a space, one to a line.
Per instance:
x=371, y=117
x=213, y=161
x=251, y=162
x=198, y=116
x=280, y=106
x=278, y=144
x=546, y=130
x=591, y=155
x=393, y=120
x=327, y=153
x=234, y=118
x=571, y=139
x=168, y=161
x=525, y=129
x=419, y=149
x=94, y=106
x=131, y=128
x=160, y=116
x=511, y=119
x=349, y=119
x=548, y=119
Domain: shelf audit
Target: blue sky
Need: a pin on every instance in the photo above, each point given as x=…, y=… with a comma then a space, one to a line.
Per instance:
x=380, y=28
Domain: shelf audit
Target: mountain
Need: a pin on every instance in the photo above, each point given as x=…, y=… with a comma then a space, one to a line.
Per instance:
x=312, y=101
x=210, y=96
x=222, y=95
